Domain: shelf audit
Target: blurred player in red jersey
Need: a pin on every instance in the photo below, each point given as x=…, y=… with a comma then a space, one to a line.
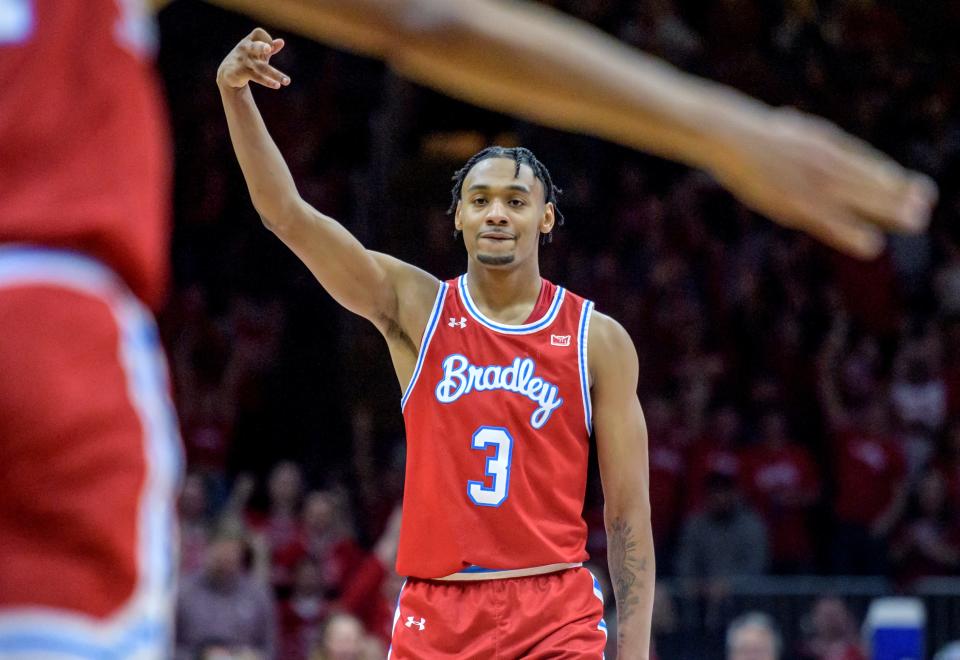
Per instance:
x=87, y=431
x=505, y=375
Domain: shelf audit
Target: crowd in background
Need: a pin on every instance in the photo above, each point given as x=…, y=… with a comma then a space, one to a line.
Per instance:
x=803, y=408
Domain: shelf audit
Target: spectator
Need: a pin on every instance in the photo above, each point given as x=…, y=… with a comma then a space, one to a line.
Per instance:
x=326, y=538
x=782, y=483
x=753, y=636
x=928, y=541
x=223, y=602
x=301, y=613
x=343, y=639
x=870, y=471
x=724, y=541
x=716, y=452
x=280, y=523
x=195, y=524
x=832, y=633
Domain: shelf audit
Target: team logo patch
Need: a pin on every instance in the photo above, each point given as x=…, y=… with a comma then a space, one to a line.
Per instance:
x=560, y=340
x=411, y=622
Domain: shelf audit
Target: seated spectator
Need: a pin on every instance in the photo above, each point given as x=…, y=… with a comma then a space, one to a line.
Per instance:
x=195, y=524
x=781, y=481
x=326, y=538
x=667, y=471
x=725, y=539
x=948, y=463
x=225, y=603
x=717, y=452
x=753, y=636
x=280, y=523
x=343, y=639
x=372, y=591
x=928, y=541
x=301, y=613
x=832, y=632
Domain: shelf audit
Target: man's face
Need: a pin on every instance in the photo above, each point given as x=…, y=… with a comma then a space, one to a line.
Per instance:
x=502, y=215
x=753, y=643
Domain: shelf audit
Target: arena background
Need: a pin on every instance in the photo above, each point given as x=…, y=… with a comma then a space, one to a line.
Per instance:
x=742, y=328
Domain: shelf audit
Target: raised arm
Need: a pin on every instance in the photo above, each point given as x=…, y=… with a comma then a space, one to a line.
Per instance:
x=621, y=435
x=365, y=282
x=530, y=60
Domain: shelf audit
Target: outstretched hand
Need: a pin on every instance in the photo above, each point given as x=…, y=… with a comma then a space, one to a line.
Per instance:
x=250, y=60
x=807, y=174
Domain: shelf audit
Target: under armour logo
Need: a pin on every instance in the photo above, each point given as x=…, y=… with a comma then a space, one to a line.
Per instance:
x=411, y=622
x=453, y=322
x=560, y=340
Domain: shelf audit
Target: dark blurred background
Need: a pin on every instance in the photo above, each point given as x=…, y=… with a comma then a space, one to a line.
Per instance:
x=803, y=408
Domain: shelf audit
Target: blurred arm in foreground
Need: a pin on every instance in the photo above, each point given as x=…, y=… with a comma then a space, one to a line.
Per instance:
x=532, y=61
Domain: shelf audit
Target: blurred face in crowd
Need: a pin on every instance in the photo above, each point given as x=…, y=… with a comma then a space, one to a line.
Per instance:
x=752, y=643
x=931, y=494
x=306, y=579
x=193, y=500
x=502, y=215
x=225, y=559
x=318, y=511
x=773, y=430
x=285, y=484
x=722, y=496
x=831, y=620
x=343, y=638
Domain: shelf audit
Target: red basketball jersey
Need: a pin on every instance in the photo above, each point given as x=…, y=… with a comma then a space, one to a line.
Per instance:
x=498, y=428
x=83, y=141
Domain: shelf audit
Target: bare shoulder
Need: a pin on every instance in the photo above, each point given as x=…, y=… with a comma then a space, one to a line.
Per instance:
x=416, y=292
x=610, y=349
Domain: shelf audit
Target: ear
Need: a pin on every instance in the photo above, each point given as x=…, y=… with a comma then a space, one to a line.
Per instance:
x=457, y=224
x=549, y=218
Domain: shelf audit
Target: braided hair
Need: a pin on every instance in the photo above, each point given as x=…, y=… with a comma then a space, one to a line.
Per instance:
x=520, y=156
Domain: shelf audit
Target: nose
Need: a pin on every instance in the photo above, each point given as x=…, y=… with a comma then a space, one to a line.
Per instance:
x=496, y=213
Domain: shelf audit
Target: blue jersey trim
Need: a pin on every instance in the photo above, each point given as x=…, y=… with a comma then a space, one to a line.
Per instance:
x=425, y=342
x=584, y=367
x=524, y=329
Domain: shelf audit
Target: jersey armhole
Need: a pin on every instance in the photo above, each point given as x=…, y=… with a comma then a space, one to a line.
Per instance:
x=425, y=342
x=583, y=336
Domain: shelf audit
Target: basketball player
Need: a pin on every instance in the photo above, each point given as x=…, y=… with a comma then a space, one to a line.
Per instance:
x=535, y=62
x=504, y=376
x=87, y=434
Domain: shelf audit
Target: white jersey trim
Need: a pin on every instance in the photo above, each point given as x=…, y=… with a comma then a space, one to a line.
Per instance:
x=474, y=573
x=524, y=329
x=428, y=333
x=583, y=336
x=142, y=628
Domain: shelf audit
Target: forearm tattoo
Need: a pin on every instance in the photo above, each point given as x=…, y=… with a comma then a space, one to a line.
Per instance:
x=626, y=569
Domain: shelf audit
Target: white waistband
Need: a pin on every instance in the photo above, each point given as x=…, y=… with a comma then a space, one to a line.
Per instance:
x=475, y=573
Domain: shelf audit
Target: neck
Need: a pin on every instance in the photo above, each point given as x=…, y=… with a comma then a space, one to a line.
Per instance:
x=500, y=292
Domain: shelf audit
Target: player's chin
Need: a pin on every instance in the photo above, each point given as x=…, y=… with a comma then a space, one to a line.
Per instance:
x=488, y=259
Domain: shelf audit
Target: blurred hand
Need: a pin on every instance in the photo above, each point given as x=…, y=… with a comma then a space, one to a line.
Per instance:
x=807, y=174
x=250, y=60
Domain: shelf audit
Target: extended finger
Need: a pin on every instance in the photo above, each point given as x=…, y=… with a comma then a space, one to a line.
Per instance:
x=265, y=70
x=878, y=189
x=843, y=231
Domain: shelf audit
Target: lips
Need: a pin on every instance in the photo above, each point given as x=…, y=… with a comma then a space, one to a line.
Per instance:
x=497, y=236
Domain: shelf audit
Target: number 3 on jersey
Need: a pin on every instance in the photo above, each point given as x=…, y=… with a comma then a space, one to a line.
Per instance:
x=498, y=466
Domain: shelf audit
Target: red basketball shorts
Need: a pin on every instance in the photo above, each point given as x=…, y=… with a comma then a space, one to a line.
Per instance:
x=91, y=459
x=557, y=616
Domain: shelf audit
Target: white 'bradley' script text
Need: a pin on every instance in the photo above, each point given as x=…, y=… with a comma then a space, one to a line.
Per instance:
x=460, y=377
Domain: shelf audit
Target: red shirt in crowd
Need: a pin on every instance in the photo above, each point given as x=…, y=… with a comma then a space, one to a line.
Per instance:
x=869, y=469
x=706, y=459
x=782, y=483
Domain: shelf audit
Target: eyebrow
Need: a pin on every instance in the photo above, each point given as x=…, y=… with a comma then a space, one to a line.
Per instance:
x=514, y=186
